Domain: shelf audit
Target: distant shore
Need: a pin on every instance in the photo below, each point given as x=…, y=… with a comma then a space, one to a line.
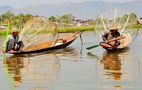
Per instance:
x=76, y=29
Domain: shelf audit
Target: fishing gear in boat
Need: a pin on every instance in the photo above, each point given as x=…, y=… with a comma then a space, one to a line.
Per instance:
x=122, y=21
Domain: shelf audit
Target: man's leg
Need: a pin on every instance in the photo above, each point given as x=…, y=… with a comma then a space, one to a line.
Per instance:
x=20, y=46
x=10, y=45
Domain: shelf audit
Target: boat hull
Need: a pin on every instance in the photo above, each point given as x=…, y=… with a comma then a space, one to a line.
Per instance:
x=48, y=49
x=44, y=49
x=124, y=43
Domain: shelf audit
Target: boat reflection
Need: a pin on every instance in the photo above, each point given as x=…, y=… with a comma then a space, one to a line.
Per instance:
x=14, y=65
x=112, y=65
x=37, y=72
x=68, y=52
x=116, y=69
x=116, y=65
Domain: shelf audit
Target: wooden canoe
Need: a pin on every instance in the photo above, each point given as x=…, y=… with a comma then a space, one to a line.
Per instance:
x=123, y=42
x=49, y=46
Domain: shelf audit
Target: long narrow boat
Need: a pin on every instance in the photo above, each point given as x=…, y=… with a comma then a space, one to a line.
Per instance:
x=49, y=46
x=123, y=42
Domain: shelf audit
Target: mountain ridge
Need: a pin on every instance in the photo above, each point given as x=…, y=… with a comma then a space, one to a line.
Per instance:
x=86, y=9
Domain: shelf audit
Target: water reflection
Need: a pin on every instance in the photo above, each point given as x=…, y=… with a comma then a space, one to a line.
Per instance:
x=114, y=71
x=67, y=52
x=112, y=65
x=36, y=73
x=15, y=64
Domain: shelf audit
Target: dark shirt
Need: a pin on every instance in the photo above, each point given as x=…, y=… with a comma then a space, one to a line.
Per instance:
x=115, y=34
x=110, y=35
x=104, y=37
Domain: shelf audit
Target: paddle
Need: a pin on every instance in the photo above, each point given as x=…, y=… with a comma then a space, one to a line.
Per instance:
x=93, y=56
x=94, y=46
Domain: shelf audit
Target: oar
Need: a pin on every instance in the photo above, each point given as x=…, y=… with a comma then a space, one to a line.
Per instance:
x=94, y=56
x=94, y=46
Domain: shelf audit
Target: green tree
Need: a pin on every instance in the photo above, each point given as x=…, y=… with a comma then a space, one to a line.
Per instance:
x=20, y=20
x=52, y=18
x=133, y=18
x=67, y=18
x=17, y=21
x=8, y=15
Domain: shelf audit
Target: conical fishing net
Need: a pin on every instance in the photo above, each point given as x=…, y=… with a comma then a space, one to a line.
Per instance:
x=38, y=33
x=123, y=20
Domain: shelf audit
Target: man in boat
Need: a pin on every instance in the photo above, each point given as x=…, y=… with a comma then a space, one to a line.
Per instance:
x=13, y=43
x=111, y=39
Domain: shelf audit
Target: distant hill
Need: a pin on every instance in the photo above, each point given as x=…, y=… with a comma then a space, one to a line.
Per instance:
x=5, y=8
x=87, y=9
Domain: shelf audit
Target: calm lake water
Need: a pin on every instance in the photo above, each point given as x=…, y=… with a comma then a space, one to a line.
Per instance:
x=74, y=68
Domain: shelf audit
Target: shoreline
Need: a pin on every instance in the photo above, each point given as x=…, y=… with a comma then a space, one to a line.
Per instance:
x=76, y=29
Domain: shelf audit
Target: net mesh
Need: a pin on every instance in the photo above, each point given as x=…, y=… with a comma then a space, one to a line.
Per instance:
x=38, y=33
x=115, y=18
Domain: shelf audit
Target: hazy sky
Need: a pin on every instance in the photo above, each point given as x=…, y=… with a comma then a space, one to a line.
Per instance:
x=24, y=3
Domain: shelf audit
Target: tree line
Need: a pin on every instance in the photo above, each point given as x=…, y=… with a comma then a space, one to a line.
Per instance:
x=16, y=21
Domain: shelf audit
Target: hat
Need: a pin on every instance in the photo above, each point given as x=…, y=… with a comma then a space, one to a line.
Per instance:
x=15, y=30
x=114, y=27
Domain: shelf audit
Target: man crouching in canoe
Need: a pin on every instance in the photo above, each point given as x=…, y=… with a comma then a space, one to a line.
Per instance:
x=111, y=39
x=13, y=44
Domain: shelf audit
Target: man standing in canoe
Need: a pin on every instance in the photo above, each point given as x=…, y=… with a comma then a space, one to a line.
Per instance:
x=13, y=43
